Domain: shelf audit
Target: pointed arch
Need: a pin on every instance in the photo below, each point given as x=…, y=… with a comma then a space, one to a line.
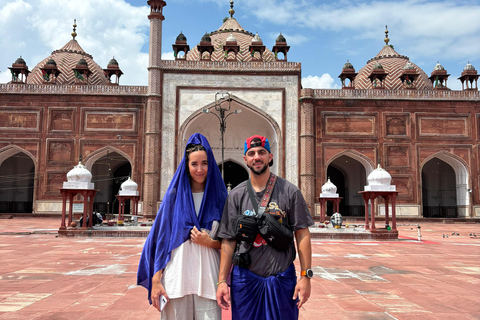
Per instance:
x=252, y=120
x=11, y=150
x=462, y=177
x=348, y=170
x=94, y=156
x=365, y=161
x=18, y=169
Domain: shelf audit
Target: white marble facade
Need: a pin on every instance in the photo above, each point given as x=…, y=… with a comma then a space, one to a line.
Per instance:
x=262, y=96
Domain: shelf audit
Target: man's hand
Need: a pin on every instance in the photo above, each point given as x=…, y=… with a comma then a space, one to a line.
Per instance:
x=302, y=291
x=223, y=296
x=157, y=290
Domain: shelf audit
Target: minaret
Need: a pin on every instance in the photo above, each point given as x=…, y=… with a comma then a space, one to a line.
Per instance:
x=153, y=114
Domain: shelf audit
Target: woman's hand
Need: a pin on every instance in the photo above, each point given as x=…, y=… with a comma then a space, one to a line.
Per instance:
x=200, y=237
x=157, y=290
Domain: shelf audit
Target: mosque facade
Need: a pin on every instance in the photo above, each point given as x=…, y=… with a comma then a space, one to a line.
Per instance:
x=390, y=113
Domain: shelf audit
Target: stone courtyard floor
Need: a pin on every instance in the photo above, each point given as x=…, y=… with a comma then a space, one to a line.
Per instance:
x=43, y=276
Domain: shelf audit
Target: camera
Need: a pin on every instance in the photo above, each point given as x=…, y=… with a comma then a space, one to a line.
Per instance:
x=241, y=259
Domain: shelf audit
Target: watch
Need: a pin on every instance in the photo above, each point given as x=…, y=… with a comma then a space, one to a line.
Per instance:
x=308, y=273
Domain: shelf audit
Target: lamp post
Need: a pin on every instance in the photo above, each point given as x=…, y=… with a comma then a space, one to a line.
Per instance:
x=222, y=115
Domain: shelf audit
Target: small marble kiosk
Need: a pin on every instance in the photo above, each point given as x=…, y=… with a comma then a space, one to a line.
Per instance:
x=78, y=182
x=379, y=185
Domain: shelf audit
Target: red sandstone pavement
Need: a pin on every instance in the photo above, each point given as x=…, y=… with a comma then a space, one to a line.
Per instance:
x=43, y=276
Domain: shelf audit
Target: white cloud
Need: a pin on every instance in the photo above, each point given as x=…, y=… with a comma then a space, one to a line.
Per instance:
x=325, y=81
x=168, y=56
x=105, y=29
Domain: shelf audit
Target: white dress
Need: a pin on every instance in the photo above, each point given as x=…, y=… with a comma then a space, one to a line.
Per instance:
x=193, y=268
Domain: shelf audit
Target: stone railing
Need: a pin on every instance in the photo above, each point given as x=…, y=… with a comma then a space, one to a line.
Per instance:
x=389, y=94
x=72, y=89
x=254, y=66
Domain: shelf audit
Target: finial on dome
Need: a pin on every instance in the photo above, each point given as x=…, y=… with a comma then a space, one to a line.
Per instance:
x=74, y=34
x=231, y=11
x=386, y=36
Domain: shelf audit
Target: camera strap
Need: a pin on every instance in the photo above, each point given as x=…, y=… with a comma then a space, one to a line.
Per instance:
x=266, y=196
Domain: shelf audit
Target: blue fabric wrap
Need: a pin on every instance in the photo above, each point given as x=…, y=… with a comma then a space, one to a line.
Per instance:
x=176, y=215
x=255, y=297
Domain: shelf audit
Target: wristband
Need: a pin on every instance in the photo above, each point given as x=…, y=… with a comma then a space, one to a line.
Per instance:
x=222, y=281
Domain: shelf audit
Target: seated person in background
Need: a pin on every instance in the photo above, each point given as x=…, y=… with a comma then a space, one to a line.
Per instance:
x=97, y=217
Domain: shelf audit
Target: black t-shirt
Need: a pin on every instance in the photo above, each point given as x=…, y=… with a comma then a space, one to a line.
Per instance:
x=286, y=200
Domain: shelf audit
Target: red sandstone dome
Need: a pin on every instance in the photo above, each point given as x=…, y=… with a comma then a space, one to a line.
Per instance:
x=67, y=66
x=394, y=65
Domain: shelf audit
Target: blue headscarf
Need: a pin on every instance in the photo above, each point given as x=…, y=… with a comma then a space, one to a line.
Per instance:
x=176, y=215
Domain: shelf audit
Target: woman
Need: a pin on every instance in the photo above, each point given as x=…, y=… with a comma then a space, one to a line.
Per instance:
x=180, y=259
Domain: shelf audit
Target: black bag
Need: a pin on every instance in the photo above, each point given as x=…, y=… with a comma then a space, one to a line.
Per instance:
x=274, y=232
x=245, y=227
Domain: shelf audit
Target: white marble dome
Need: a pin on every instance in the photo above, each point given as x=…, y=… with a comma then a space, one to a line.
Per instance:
x=128, y=188
x=79, y=178
x=79, y=173
x=379, y=180
x=329, y=190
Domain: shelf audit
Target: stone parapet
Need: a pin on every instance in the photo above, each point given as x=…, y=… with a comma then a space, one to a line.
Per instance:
x=239, y=66
x=72, y=89
x=390, y=94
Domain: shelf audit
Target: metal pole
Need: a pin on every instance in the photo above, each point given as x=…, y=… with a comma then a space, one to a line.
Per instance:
x=222, y=131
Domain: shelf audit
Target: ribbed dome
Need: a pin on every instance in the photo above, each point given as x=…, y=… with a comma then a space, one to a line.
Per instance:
x=219, y=37
x=329, y=190
x=66, y=60
x=20, y=61
x=409, y=66
x=79, y=173
x=129, y=187
x=181, y=37
x=206, y=37
x=438, y=67
x=113, y=62
x=79, y=178
x=393, y=64
x=231, y=38
x=281, y=38
x=469, y=67
x=379, y=180
x=347, y=65
x=257, y=39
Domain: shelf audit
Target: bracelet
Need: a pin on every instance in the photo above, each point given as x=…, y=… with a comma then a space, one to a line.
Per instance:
x=222, y=281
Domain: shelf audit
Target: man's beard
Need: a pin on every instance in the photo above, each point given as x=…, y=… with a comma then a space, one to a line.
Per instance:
x=261, y=171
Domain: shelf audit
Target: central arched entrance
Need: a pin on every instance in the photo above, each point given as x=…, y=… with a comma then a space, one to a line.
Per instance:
x=239, y=126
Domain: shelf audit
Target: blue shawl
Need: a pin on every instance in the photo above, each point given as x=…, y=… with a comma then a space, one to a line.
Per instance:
x=176, y=215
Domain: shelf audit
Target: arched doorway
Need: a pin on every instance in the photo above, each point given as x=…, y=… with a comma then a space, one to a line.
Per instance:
x=16, y=191
x=349, y=176
x=234, y=173
x=439, y=186
x=239, y=126
x=108, y=173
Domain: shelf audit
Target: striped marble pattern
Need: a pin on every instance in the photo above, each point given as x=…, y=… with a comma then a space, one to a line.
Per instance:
x=67, y=58
x=393, y=64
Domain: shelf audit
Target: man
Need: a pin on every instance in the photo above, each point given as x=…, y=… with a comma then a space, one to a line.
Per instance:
x=264, y=284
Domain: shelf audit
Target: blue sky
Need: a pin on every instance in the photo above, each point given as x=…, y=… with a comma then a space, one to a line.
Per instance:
x=323, y=35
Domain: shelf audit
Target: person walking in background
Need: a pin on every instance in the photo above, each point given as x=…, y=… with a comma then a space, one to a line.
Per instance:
x=180, y=258
x=263, y=280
